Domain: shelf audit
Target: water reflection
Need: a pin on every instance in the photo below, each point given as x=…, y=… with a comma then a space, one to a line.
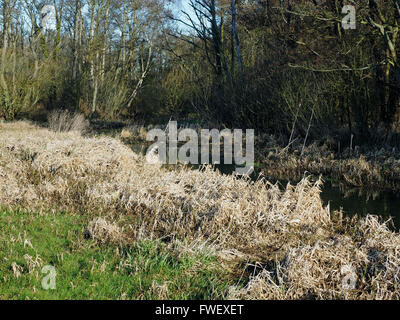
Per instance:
x=362, y=202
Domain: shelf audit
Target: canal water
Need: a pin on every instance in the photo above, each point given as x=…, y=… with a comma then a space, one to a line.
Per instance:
x=361, y=202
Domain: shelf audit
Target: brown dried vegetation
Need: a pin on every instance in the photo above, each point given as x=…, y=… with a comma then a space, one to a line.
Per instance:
x=286, y=243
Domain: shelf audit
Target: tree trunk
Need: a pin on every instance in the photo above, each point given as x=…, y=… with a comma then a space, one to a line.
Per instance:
x=104, y=49
x=236, y=37
x=77, y=32
x=6, y=15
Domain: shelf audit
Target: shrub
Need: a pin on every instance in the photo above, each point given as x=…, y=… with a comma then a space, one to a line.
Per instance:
x=65, y=121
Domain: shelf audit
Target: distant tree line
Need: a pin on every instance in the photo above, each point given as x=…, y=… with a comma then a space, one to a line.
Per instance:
x=275, y=65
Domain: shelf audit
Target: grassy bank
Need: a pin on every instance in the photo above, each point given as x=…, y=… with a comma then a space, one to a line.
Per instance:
x=282, y=244
x=87, y=269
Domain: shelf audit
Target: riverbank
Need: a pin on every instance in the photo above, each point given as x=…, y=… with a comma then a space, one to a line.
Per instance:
x=282, y=244
x=366, y=167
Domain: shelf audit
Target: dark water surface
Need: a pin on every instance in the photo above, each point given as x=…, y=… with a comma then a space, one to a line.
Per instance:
x=361, y=202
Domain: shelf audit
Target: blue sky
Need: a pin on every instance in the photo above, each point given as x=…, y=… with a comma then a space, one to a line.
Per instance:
x=177, y=7
x=183, y=5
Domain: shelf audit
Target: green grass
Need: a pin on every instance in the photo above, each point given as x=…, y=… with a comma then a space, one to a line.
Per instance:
x=88, y=270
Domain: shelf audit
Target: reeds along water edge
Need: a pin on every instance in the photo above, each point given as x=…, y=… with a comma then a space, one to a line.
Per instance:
x=303, y=250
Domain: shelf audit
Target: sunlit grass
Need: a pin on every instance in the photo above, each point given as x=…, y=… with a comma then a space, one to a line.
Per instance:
x=89, y=270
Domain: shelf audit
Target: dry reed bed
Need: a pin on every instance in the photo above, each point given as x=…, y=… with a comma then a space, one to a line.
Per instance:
x=301, y=251
x=373, y=169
